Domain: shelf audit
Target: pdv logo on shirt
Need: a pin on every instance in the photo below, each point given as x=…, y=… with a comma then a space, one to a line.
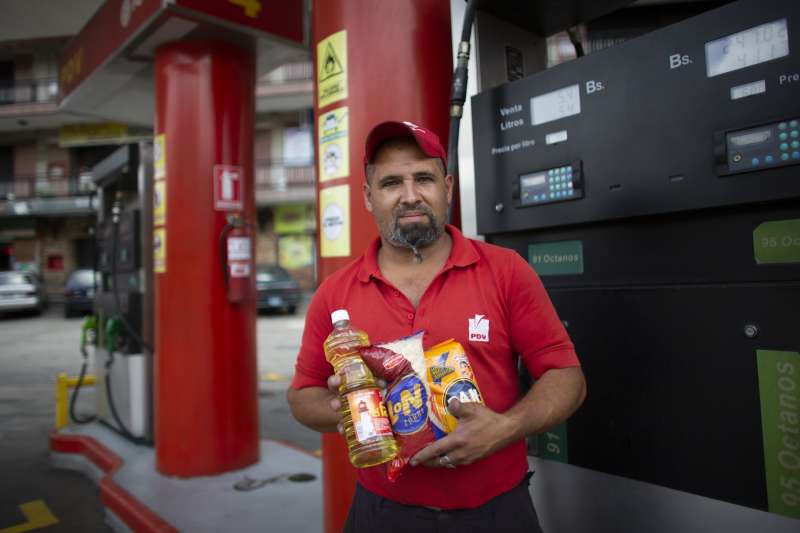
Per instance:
x=479, y=329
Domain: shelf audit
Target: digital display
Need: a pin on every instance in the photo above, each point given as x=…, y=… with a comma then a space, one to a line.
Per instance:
x=556, y=104
x=532, y=180
x=748, y=89
x=751, y=137
x=747, y=48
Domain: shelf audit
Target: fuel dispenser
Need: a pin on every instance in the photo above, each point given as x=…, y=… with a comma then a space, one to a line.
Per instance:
x=654, y=187
x=123, y=354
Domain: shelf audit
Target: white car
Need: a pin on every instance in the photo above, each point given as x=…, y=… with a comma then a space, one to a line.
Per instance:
x=21, y=291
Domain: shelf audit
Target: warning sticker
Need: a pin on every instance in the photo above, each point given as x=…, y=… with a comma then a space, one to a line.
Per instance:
x=332, y=69
x=228, y=193
x=160, y=156
x=239, y=270
x=334, y=147
x=334, y=221
x=160, y=250
x=159, y=203
x=238, y=248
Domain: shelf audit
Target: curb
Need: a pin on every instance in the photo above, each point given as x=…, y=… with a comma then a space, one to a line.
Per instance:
x=130, y=510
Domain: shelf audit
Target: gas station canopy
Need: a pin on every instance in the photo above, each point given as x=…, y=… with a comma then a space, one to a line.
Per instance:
x=106, y=70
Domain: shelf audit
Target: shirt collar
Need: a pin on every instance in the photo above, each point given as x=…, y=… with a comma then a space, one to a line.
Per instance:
x=462, y=254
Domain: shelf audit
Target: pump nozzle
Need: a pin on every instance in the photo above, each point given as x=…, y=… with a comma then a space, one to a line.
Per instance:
x=113, y=329
x=88, y=332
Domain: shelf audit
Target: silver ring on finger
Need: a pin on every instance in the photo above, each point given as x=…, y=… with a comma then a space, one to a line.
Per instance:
x=445, y=461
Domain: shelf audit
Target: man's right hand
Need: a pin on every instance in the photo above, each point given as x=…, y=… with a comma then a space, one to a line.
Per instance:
x=316, y=407
x=319, y=408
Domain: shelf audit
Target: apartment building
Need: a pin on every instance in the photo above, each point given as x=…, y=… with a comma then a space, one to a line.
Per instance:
x=47, y=194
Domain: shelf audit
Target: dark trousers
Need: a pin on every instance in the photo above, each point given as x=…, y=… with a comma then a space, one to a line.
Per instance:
x=510, y=512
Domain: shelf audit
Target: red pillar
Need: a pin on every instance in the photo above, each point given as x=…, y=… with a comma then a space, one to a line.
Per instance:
x=206, y=396
x=399, y=67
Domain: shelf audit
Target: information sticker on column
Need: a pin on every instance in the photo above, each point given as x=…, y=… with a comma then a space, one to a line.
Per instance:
x=334, y=146
x=159, y=250
x=332, y=68
x=239, y=256
x=334, y=221
x=160, y=156
x=159, y=203
x=228, y=188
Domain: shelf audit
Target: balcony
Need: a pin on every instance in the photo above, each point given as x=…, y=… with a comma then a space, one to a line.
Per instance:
x=288, y=87
x=30, y=105
x=46, y=186
x=44, y=195
x=44, y=90
x=281, y=182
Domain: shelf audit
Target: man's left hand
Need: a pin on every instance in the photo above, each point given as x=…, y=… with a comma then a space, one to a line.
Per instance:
x=480, y=432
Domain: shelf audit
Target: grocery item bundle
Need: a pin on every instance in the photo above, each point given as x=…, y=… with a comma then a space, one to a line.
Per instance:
x=419, y=386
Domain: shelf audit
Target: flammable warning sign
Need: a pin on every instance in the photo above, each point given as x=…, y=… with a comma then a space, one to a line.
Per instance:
x=332, y=69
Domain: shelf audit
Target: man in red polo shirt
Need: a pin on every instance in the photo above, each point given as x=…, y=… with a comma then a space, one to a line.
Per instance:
x=423, y=274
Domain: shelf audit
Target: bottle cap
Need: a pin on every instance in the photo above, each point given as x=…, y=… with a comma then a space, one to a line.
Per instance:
x=339, y=315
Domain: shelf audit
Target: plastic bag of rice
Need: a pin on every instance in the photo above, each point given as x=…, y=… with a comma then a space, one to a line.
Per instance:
x=402, y=364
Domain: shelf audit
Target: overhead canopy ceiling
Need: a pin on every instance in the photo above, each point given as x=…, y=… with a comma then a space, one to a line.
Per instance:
x=123, y=89
x=41, y=19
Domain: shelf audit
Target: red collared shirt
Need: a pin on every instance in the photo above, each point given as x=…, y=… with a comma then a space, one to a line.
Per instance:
x=488, y=299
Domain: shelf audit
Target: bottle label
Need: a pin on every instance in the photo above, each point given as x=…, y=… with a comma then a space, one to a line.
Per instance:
x=370, y=419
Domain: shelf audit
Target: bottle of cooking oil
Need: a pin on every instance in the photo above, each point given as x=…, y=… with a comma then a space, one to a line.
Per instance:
x=366, y=423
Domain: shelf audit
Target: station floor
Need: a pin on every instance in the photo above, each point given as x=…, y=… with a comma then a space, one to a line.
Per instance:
x=137, y=498
x=285, y=487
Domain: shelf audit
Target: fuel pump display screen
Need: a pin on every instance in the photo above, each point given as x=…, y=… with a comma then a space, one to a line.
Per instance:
x=771, y=145
x=747, y=48
x=751, y=137
x=556, y=104
x=533, y=186
x=552, y=185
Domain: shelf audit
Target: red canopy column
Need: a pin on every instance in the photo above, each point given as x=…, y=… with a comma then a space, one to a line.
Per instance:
x=206, y=396
x=394, y=62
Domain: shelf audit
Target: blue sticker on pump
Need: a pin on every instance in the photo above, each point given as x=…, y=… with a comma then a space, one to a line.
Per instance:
x=407, y=403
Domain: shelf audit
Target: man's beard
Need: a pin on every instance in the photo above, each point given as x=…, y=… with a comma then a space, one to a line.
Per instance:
x=415, y=235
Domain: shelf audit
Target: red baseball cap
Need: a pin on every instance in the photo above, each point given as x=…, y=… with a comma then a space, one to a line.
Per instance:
x=426, y=139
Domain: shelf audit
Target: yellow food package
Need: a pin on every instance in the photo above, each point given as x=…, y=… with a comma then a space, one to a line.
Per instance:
x=449, y=375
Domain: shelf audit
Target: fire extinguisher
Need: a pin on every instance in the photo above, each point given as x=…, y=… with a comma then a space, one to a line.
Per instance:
x=235, y=254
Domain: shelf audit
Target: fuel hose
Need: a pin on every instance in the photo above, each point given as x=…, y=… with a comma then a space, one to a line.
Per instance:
x=459, y=92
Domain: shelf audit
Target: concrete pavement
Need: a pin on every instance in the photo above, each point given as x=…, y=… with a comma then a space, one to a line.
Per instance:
x=33, y=350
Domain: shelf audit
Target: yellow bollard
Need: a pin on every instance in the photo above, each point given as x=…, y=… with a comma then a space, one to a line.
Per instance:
x=61, y=400
x=63, y=384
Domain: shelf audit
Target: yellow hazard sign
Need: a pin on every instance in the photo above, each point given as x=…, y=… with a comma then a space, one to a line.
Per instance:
x=332, y=69
x=334, y=147
x=160, y=250
x=334, y=221
x=160, y=156
x=159, y=203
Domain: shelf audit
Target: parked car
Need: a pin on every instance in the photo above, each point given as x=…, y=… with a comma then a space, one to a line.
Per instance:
x=79, y=293
x=276, y=289
x=21, y=291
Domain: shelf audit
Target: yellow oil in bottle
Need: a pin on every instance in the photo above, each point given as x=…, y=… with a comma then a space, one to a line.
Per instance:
x=366, y=423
